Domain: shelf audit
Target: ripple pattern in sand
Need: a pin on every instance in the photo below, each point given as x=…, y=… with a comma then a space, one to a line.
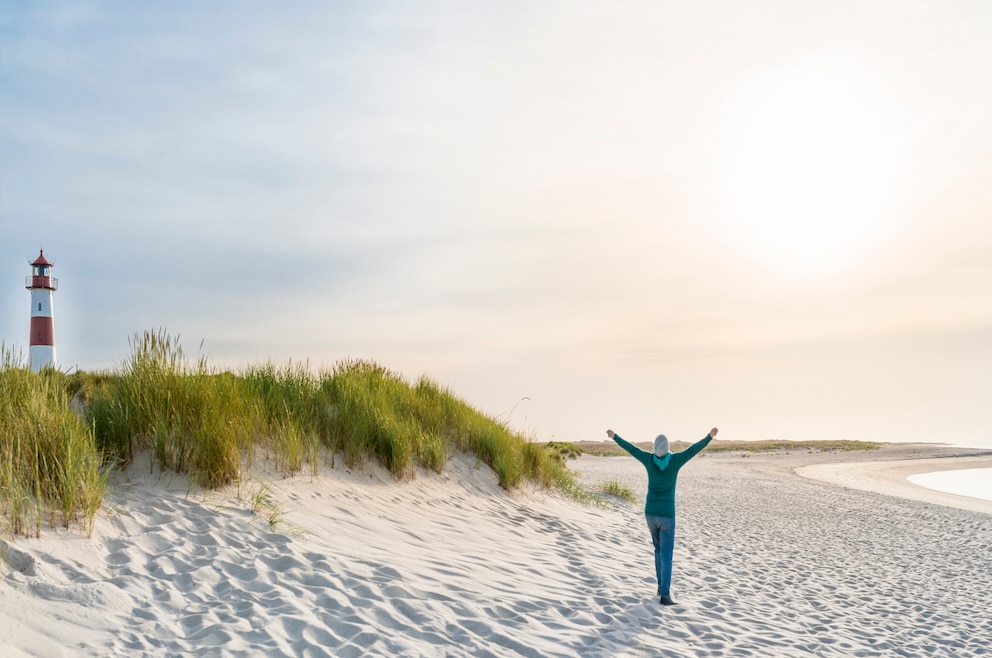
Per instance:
x=766, y=565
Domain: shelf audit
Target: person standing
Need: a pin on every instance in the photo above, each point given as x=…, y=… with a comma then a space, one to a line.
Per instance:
x=659, y=507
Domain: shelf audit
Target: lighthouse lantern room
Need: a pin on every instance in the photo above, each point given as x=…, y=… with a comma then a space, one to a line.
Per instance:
x=42, y=284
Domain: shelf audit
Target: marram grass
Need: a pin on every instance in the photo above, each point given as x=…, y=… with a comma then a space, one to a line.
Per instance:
x=60, y=434
x=51, y=471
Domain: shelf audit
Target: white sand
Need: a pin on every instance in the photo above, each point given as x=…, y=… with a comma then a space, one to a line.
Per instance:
x=766, y=564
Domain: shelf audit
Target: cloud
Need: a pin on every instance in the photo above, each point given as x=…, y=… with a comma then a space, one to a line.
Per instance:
x=518, y=198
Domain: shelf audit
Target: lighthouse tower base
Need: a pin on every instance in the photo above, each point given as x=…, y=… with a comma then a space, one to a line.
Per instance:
x=41, y=356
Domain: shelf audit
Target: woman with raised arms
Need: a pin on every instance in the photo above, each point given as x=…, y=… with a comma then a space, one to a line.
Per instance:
x=659, y=508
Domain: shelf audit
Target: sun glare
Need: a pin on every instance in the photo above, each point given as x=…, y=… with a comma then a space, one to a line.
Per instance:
x=810, y=168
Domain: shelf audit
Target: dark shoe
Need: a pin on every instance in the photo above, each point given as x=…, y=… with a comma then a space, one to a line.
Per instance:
x=664, y=600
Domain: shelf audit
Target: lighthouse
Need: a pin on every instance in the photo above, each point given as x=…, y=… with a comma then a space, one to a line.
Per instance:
x=41, y=284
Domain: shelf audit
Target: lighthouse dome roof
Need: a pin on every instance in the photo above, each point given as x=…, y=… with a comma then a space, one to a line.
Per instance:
x=41, y=260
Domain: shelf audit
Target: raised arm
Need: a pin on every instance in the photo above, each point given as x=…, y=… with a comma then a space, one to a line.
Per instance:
x=698, y=446
x=629, y=447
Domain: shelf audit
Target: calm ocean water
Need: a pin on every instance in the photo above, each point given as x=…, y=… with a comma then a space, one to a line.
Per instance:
x=973, y=482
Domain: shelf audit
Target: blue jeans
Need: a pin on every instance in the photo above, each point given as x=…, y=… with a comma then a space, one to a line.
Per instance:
x=663, y=537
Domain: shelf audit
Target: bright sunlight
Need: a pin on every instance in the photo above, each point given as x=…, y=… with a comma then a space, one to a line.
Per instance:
x=811, y=169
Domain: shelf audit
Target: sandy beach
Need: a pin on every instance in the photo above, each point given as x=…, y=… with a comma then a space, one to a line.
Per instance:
x=776, y=555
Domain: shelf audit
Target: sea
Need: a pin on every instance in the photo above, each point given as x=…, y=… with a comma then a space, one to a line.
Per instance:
x=971, y=482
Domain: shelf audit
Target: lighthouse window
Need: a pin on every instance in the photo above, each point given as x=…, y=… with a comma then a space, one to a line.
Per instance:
x=39, y=306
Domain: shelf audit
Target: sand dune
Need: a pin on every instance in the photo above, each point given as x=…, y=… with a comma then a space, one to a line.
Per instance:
x=766, y=564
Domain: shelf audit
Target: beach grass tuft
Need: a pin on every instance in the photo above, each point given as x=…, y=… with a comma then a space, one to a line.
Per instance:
x=262, y=502
x=618, y=489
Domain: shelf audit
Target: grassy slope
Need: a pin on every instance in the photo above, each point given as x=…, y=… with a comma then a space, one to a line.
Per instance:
x=211, y=425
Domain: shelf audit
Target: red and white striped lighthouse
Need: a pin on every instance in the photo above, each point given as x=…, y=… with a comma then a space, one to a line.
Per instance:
x=41, y=284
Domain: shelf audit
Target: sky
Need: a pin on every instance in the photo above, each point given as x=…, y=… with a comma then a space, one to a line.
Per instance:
x=772, y=217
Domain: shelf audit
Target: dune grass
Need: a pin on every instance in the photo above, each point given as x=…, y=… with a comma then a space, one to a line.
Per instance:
x=196, y=422
x=50, y=467
x=61, y=434
x=211, y=425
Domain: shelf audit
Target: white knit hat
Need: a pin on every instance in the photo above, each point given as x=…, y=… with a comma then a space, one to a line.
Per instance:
x=661, y=445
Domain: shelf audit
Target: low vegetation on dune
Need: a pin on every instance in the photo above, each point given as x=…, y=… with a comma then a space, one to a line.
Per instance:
x=607, y=448
x=563, y=449
x=62, y=433
x=838, y=445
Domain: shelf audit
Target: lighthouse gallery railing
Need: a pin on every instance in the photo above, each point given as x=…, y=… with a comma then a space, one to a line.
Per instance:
x=41, y=282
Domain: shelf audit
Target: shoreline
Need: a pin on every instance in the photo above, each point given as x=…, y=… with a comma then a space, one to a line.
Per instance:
x=891, y=477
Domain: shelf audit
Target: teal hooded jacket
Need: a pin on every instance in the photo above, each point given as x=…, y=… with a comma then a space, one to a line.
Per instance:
x=661, y=483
